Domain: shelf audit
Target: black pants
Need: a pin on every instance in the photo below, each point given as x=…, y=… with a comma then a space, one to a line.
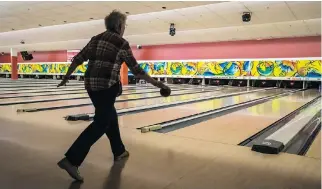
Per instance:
x=105, y=122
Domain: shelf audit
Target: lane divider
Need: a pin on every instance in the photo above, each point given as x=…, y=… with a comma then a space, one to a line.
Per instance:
x=254, y=139
x=281, y=139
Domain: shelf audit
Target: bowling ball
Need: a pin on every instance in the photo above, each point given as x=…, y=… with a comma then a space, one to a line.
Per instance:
x=165, y=92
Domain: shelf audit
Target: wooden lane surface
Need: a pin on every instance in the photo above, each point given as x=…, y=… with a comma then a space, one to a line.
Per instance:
x=118, y=105
x=161, y=100
x=238, y=126
x=161, y=115
x=19, y=82
x=22, y=87
x=6, y=90
x=149, y=117
x=64, y=96
x=54, y=88
x=47, y=93
x=23, y=80
x=53, y=83
x=36, y=85
x=315, y=149
x=167, y=114
x=38, y=91
x=7, y=94
x=48, y=81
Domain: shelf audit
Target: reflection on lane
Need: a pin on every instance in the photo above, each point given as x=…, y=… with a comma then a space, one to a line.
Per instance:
x=218, y=103
x=277, y=107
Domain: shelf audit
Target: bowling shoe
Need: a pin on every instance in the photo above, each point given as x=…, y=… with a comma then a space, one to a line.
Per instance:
x=71, y=170
x=122, y=156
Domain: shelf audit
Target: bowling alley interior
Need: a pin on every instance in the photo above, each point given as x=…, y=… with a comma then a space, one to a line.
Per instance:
x=243, y=112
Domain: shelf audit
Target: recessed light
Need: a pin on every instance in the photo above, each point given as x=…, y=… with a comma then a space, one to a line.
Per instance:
x=127, y=13
x=164, y=7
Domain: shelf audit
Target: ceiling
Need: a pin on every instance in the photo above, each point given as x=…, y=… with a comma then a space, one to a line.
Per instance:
x=32, y=14
x=148, y=23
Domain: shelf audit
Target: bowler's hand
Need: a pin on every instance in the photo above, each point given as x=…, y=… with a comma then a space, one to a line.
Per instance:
x=63, y=83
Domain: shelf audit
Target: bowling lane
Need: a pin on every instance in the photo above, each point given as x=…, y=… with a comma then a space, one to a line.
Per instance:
x=41, y=93
x=238, y=126
x=54, y=87
x=315, y=149
x=84, y=94
x=167, y=114
x=26, y=80
x=192, y=86
x=66, y=90
x=90, y=108
x=22, y=85
x=8, y=90
x=118, y=105
x=37, y=83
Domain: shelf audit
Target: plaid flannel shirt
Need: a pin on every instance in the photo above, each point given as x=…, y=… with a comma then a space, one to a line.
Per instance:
x=106, y=52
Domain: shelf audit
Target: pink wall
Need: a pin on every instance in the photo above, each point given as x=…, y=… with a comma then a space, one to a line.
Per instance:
x=5, y=58
x=53, y=56
x=274, y=48
x=44, y=56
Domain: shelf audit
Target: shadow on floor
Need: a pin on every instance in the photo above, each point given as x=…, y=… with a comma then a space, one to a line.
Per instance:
x=113, y=179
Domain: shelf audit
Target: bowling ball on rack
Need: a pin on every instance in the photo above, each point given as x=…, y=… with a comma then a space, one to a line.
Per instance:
x=165, y=92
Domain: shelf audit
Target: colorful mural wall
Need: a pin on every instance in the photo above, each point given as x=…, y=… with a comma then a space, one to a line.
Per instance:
x=253, y=68
x=43, y=68
x=306, y=69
